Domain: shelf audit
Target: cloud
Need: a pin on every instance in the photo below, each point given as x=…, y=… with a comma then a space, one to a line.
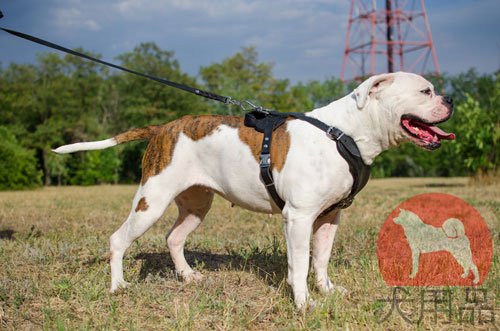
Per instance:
x=135, y=9
x=72, y=18
x=92, y=25
x=229, y=11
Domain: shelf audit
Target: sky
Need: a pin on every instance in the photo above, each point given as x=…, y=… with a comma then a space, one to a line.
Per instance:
x=304, y=39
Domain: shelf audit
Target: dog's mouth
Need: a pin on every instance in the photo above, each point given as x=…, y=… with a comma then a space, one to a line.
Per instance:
x=428, y=135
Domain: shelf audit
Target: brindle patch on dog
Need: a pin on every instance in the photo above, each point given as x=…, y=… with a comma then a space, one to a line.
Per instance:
x=142, y=205
x=162, y=145
x=138, y=134
x=279, y=147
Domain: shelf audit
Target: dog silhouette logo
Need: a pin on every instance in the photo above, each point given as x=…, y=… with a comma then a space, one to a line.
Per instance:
x=434, y=239
x=424, y=238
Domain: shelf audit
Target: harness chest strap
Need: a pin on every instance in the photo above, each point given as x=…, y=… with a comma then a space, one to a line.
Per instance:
x=265, y=163
x=269, y=121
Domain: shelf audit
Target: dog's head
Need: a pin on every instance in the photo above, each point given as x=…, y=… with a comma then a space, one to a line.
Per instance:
x=406, y=217
x=409, y=102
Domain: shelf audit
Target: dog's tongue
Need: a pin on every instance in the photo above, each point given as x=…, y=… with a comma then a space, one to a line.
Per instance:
x=440, y=133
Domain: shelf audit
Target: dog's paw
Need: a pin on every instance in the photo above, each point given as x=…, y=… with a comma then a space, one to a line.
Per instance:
x=308, y=305
x=476, y=277
x=119, y=285
x=193, y=276
x=330, y=288
x=340, y=290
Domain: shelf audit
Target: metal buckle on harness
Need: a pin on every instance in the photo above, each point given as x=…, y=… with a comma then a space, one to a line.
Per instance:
x=330, y=133
x=265, y=160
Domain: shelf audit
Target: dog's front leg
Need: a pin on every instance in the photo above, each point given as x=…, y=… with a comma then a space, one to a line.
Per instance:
x=415, y=257
x=324, y=229
x=298, y=233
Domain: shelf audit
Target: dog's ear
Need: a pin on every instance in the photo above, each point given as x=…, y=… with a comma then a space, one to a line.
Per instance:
x=403, y=212
x=371, y=86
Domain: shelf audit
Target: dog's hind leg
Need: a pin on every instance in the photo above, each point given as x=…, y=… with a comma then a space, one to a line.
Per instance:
x=324, y=229
x=193, y=204
x=464, y=258
x=147, y=207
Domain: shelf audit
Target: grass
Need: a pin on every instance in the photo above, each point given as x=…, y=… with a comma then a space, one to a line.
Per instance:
x=54, y=265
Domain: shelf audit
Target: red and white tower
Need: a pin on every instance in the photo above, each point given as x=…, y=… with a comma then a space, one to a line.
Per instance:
x=397, y=38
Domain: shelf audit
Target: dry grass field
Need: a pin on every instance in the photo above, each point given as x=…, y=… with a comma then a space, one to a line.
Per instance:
x=54, y=271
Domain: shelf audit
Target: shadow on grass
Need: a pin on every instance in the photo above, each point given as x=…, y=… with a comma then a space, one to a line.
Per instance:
x=9, y=234
x=6, y=234
x=439, y=185
x=268, y=264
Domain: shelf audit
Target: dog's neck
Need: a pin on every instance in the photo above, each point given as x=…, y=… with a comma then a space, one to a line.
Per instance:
x=365, y=126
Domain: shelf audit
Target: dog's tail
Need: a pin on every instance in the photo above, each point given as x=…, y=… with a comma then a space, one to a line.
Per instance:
x=144, y=133
x=453, y=228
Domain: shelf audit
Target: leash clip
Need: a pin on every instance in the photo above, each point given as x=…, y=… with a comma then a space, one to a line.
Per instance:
x=254, y=107
x=230, y=101
x=334, y=135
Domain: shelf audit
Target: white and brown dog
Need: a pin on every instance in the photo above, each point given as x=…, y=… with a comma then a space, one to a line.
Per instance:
x=194, y=157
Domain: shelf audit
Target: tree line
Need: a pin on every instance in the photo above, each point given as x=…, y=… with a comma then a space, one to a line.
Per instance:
x=64, y=99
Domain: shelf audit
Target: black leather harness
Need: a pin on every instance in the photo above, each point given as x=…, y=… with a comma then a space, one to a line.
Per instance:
x=267, y=121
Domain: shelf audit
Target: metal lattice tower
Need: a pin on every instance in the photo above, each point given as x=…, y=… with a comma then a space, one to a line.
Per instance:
x=397, y=38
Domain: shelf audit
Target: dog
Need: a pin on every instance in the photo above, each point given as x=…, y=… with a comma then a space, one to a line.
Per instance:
x=424, y=238
x=190, y=159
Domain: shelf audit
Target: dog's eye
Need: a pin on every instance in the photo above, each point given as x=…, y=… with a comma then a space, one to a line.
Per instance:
x=427, y=91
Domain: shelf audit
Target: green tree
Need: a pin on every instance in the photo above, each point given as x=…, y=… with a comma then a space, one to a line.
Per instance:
x=136, y=101
x=478, y=131
x=58, y=166
x=66, y=99
x=316, y=94
x=469, y=83
x=243, y=77
x=146, y=102
x=17, y=164
x=97, y=167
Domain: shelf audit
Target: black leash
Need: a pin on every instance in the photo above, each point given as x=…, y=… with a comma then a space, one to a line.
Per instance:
x=226, y=100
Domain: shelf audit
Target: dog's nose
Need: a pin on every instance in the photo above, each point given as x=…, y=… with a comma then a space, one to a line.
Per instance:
x=448, y=100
